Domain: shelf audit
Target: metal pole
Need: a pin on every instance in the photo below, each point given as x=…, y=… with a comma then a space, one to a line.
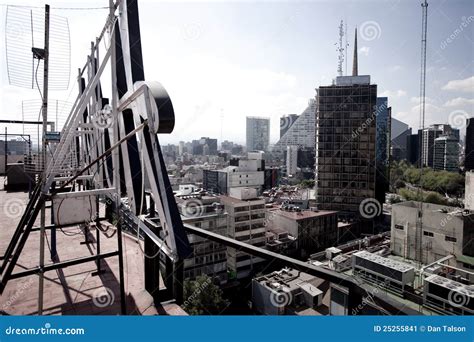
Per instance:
x=5, y=145
x=45, y=123
x=115, y=156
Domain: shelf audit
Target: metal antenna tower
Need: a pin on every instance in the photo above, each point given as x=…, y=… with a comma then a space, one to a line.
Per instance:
x=424, y=31
x=347, y=45
x=340, y=48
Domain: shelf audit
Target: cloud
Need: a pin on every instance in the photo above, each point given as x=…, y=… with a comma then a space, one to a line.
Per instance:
x=466, y=85
x=416, y=99
x=364, y=50
x=394, y=94
x=459, y=102
x=395, y=68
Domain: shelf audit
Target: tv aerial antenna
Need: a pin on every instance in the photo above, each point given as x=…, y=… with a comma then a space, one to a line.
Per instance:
x=25, y=33
x=341, y=47
x=34, y=39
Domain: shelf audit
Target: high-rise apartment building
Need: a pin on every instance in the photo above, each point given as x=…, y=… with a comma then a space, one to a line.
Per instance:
x=258, y=133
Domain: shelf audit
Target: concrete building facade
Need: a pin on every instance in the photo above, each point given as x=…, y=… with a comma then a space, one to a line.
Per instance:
x=445, y=230
x=245, y=222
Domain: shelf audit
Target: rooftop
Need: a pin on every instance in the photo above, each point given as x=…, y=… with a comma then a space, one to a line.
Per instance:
x=233, y=200
x=304, y=214
x=75, y=290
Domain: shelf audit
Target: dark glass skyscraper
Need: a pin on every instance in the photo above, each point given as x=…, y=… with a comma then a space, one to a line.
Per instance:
x=346, y=144
x=469, y=151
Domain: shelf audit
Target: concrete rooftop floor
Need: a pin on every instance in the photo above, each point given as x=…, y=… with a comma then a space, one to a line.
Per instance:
x=74, y=290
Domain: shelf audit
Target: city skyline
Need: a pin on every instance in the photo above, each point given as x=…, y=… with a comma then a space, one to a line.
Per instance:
x=218, y=52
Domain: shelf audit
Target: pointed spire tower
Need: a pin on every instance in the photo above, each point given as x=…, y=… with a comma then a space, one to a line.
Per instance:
x=355, y=70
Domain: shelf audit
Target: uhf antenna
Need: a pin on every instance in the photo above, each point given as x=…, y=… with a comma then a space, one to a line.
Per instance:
x=341, y=48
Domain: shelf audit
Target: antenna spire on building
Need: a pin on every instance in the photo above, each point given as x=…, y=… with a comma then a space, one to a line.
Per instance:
x=355, y=70
x=340, y=48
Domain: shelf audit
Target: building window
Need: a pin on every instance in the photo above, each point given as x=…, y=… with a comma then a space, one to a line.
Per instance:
x=430, y=234
x=450, y=238
x=399, y=226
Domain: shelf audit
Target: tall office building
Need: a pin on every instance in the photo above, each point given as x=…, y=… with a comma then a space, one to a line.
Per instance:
x=428, y=136
x=399, y=131
x=346, y=143
x=413, y=149
x=258, y=133
x=469, y=150
x=301, y=132
x=446, y=154
x=286, y=122
x=383, y=114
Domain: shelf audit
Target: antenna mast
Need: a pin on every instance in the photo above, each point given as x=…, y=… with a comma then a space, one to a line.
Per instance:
x=341, y=48
x=424, y=31
x=347, y=45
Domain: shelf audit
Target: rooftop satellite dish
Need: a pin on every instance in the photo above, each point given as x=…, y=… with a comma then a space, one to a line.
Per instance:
x=24, y=45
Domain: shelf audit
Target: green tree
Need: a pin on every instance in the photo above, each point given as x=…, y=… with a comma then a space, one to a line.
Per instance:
x=203, y=297
x=307, y=184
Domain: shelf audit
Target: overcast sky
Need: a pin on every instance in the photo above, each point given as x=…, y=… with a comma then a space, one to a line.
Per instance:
x=223, y=61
